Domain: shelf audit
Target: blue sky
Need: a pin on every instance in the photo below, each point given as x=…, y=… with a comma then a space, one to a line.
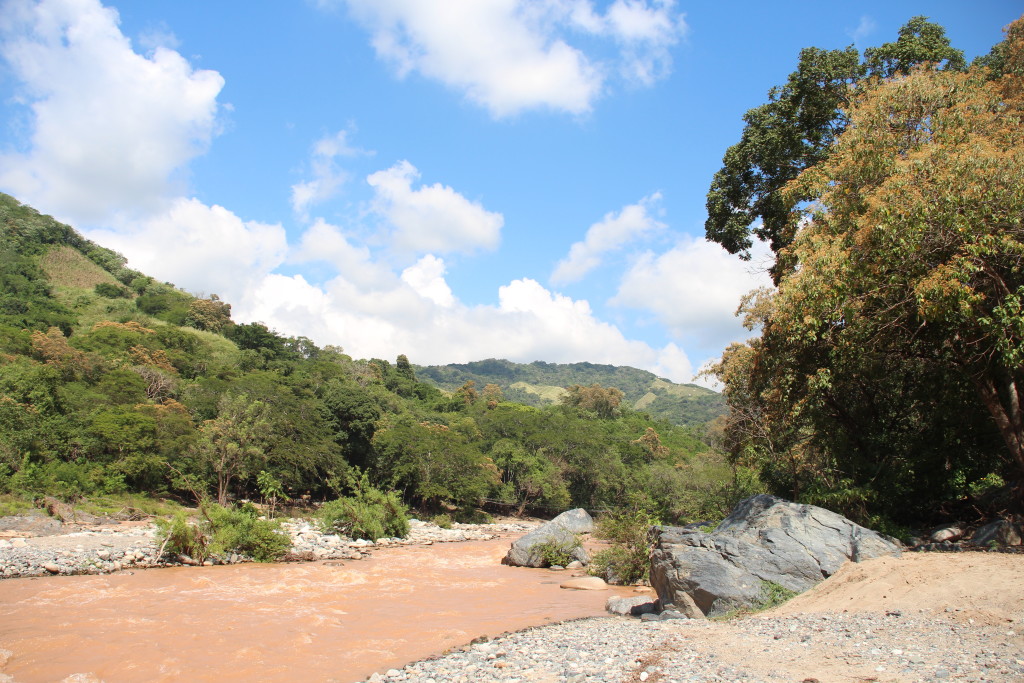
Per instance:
x=449, y=179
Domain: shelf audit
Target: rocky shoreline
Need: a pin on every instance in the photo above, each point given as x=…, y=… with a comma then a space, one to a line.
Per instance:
x=887, y=646
x=104, y=549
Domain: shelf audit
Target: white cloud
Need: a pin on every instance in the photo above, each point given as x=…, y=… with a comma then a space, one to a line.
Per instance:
x=865, y=28
x=204, y=249
x=513, y=55
x=109, y=127
x=612, y=233
x=431, y=219
x=528, y=323
x=694, y=289
x=426, y=277
x=328, y=177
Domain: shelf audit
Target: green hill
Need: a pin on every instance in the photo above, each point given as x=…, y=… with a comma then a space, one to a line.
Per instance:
x=540, y=384
x=114, y=384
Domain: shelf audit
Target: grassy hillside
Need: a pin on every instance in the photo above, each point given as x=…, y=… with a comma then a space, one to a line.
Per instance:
x=540, y=384
x=112, y=383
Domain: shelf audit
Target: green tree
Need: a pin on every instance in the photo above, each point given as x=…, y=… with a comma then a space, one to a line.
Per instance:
x=233, y=444
x=902, y=325
x=796, y=129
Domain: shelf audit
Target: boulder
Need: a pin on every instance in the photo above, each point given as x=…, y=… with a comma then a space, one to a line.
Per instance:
x=561, y=531
x=632, y=606
x=765, y=539
x=585, y=583
x=1000, y=532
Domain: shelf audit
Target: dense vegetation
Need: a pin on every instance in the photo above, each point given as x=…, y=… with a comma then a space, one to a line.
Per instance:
x=540, y=384
x=112, y=382
x=887, y=379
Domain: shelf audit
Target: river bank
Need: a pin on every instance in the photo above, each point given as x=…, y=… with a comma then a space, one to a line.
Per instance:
x=28, y=547
x=923, y=617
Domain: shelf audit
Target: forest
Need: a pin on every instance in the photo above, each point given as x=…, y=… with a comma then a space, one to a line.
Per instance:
x=113, y=383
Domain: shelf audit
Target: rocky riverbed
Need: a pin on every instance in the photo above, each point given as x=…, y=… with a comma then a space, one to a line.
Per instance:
x=809, y=647
x=101, y=549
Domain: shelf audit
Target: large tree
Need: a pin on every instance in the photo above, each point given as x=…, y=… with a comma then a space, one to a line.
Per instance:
x=796, y=129
x=904, y=318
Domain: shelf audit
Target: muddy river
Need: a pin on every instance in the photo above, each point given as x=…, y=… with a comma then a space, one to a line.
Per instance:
x=332, y=621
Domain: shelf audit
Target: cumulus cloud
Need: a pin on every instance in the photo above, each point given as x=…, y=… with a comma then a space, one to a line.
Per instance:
x=109, y=127
x=613, y=232
x=416, y=315
x=426, y=277
x=694, y=289
x=205, y=249
x=434, y=218
x=328, y=176
x=513, y=55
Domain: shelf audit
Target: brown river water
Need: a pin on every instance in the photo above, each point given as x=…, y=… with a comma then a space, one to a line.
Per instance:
x=325, y=621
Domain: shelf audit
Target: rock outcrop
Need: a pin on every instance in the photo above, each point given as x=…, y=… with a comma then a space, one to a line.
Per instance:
x=765, y=539
x=560, y=532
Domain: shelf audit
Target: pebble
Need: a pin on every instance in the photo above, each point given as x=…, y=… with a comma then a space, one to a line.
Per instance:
x=902, y=647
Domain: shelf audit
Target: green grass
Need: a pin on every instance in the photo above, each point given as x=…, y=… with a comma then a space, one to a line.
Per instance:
x=127, y=503
x=772, y=595
x=14, y=504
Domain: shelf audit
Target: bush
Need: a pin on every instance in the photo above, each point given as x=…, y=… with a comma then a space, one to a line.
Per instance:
x=444, y=521
x=241, y=531
x=182, y=537
x=557, y=553
x=369, y=514
x=111, y=291
x=224, y=531
x=628, y=559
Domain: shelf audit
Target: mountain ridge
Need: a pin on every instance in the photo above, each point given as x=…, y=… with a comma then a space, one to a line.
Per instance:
x=541, y=383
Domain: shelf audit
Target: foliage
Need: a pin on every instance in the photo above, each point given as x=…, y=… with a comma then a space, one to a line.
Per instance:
x=796, y=129
x=443, y=520
x=557, y=553
x=889, y=365
x=628, y=559
x=181, y=536
x=539, y=384
x=159, y=392
x=222, y=531
x=270, y=488
x=369, y=513
x=241, y=531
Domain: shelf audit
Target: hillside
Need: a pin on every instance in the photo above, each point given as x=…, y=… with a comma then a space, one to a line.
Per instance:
x=540, y=384
x=112, y=383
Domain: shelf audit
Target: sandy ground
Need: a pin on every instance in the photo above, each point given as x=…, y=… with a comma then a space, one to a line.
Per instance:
x=987, y=587
x=947, y=606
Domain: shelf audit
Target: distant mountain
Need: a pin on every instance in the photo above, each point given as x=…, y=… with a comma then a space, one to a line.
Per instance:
x=541, y=383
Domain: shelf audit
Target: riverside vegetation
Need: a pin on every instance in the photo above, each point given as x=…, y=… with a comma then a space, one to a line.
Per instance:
x=114, y=386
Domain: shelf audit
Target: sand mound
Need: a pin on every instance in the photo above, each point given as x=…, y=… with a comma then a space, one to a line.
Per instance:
x=988, y=586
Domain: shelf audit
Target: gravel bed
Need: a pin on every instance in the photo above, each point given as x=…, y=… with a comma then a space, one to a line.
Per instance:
x=109, y=549
x=849, y=646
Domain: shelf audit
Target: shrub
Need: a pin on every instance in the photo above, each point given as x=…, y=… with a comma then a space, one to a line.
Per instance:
x=628, y=559
x=558, y=553
x=369, y=514
x=444, y=521
x=111, y=291
x=182, y=537
x=224, y=531
x=241, y=531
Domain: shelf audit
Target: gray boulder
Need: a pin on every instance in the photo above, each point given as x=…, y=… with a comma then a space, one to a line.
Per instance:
x=764, y=539
x=561, y=531
x=632, y=606
x=1000, y=532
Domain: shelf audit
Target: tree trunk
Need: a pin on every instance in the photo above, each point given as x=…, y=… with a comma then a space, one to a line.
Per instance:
x=1009, y=419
